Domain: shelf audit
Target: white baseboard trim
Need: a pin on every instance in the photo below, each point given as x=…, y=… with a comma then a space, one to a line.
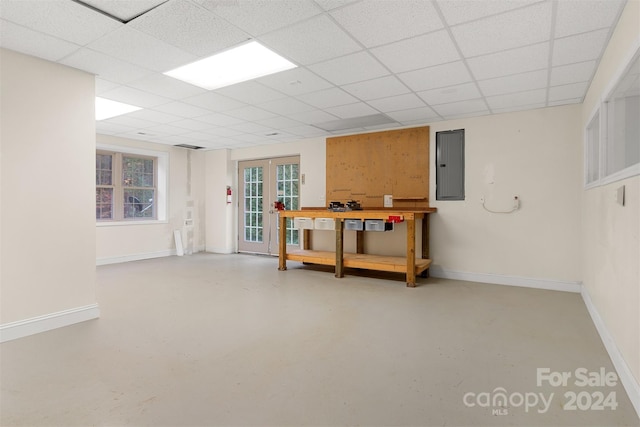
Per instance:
x=499, y=279
x=135, y=257
x=629, y=382
x=218, y=250
x=23, y=328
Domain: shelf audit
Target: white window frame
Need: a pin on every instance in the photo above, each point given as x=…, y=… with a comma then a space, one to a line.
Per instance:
x=604, y=143
x=162, y=196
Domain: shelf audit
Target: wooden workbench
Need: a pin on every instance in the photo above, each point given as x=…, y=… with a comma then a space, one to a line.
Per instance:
x=408, y=264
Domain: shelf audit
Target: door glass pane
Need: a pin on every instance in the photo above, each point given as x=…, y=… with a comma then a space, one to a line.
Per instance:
x=287, y=188
x=253, y=204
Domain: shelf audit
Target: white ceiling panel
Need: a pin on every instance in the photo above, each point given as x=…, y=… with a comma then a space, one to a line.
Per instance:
x=583, y=47
x=382, y=87
x=123, y=9
x=459, y=11
x=130, y=95
x=104, y=85
x=418, y=52
x=279, y=122
x=252, y=128
x=251, y=113
x=167, y=130
x=160, y=84
x=257, y=17
x=142, y=49
x=66, y=20
x=514, y=83
x=251, y=93
x=285, y=106
x=572, y=73
x=312, y=41
x=153, y=116
x=225, y=131
x=518, y=108
x=423, y=114
x=396, y=103
x=295, y=82
x=564, y=102
x=517, y=99
x=25, y=40
x=198, y=31
x=434, y=77
x=333, y=4
x=214, y=102
x=375, y=23
x=133, y=123
x=358, y=109
x=521, y=27
x=328, y=98
x=192, y=125
x=219, y=119
x=305, y=131
x=109, y=128
x=570, y=91
x=458, y=108
x=350, y=69
x=313, y=117
x=104, y=66
x=512, y=61
x=450, y=94
x=181, y=109
x=575, y=17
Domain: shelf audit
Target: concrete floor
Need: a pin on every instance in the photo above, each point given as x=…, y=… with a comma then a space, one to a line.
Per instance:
x=208, y=340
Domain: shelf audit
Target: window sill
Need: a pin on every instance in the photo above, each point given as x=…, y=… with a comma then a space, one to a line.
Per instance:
x=120, y=223
x=629, y=172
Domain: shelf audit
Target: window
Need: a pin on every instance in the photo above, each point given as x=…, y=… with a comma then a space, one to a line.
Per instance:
x=593, y=149
x=130, y=186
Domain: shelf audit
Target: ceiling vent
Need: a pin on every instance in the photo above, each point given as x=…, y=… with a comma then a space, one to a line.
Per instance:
x=355, y=122
x=190, y=147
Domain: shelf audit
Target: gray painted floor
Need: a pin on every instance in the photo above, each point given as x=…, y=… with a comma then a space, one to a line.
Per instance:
x=208, y=340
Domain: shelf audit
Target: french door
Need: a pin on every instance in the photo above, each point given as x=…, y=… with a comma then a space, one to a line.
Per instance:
x=261, y=183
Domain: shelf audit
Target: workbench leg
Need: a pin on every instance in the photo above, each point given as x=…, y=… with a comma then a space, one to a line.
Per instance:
x=282, y=243
x=339, y=248
x=411, y=253
x=359, y=242
x=425, y=242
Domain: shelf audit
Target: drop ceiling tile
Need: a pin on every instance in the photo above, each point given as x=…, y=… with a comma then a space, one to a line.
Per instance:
x=450, y=94
x=458, y=108
x=182, y=109
x=358, y=109
x=250, y=113
x=396, y=103
x=214, y=102
x=382, y=87
x=177, y=139
x=104, y=66
x=250, y=92
x=570, y=91
x=279, y=122
x=512, y=61
x=190, y=27
x=104, y=85
x=311, y=41
x=142, y=49
x=516, y=99
x=376, y=23
x=306, y=131
x=295, y=81
x=514, y=83
x=191, y=124
x=248, y=137
x=468, y=115
x=251, y=128
x=25, y=40
x=459, y=11
x=224, y=132
x=565, y=102
x=505, y=31
x=333, y=4
x=65, y=20
x=574, y=17
x=572, y=73
x=124, y=10
x=413, y=114
x=518, y=108
x=418, y=52
x=219, y=119
x=135, y=97
x=450, y=74
x=104, y=127
x=131, y=122
x=312, y=117
x=169, y=87
x=261, y=16
x=327, y=98
x=350, y=69
x=167, y=130
x=583, y=47
x=285, y=106
x=153, y=116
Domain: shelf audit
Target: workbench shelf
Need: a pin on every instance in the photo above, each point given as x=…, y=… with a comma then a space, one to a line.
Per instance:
x=410, y=265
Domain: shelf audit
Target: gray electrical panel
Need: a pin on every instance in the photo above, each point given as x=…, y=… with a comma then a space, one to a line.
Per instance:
x=450, y=165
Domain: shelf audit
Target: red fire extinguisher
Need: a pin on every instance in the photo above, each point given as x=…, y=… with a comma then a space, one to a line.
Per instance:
x=229, y=194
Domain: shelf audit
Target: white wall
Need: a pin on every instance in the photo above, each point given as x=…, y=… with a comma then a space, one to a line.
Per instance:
x=47, y=261
x=611, y=250
x=132, y=241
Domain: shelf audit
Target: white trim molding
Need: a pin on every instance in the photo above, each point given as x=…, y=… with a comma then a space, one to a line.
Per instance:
x=23, y=328
x=135, y=257
x=629, y=382
x=500, y=279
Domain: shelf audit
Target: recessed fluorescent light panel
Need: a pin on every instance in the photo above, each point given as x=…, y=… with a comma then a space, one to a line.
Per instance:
x=246, y=62
x=106, y=108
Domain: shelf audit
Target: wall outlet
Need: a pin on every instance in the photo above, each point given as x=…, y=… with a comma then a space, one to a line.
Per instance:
x=516, y=202
x=388, y=201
